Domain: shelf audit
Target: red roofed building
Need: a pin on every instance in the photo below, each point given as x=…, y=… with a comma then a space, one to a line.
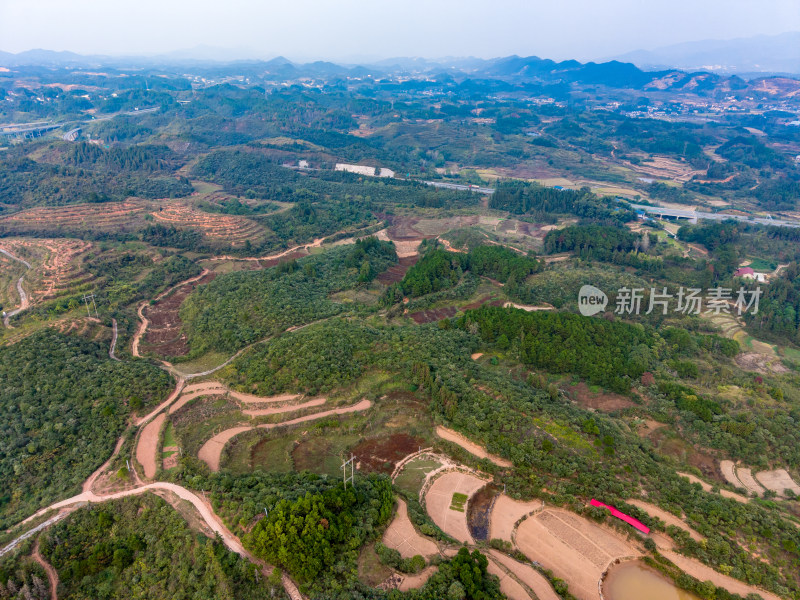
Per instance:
x=749, y=273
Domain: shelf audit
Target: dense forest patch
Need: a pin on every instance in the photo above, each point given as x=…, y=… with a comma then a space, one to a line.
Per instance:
x=63, y=404
x=440, y=271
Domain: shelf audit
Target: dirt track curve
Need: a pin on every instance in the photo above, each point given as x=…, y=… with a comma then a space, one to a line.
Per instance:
x=203, y=508
x=52, y=574
x=24, y=303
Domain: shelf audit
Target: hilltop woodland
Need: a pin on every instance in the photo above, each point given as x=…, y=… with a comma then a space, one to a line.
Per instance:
x=237, y=309
x=439, y=270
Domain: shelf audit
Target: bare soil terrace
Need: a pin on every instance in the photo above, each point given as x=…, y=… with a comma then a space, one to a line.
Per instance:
x=126, y=216
x=231, y=229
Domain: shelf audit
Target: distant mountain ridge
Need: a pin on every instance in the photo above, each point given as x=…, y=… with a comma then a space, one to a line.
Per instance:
x=758, y=54
x=510, y=69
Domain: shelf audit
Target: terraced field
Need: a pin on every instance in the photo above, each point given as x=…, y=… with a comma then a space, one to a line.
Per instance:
x=233, y=230
x=121, y=217
x=57, y=265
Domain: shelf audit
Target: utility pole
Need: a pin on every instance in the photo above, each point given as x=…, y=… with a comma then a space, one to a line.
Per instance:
x=86, y=299
x=345, y=464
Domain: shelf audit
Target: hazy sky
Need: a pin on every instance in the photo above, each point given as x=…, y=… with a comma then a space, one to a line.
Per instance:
x=368, y=29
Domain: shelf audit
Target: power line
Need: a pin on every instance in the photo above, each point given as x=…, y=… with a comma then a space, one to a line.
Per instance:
x=86, y=299
x=345, y=464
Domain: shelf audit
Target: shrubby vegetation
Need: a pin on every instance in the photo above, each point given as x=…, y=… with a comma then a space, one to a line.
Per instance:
x=250, y=172
x=128, y=277
x=314, y=360
x=22, y=578
x=63, y=404
x=239, y=308
x=520, y=417
x=321, y=510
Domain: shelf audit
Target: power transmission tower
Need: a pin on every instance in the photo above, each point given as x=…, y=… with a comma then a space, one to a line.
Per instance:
x=349, y=463
x=86, y=299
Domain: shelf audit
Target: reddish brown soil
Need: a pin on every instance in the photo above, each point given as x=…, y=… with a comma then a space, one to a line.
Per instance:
x=490, y=300
x=164, y=335
x=402, y=228
x=705, y=462
x=530, y=229
x=60, y=268
x=397, y=272
x=683, y=451
x=433, y=314
x=605, y=401
x=295, y=254
x=117, y=216
x=382, y=454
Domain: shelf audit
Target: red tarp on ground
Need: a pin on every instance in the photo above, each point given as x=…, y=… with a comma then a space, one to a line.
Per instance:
x=621, y=515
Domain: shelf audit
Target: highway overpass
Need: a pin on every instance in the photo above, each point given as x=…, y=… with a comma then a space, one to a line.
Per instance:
x=692, y=216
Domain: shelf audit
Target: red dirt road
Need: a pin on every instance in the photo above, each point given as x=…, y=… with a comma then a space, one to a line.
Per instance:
x=211, y=451
x=52, y=574
x=147, y=448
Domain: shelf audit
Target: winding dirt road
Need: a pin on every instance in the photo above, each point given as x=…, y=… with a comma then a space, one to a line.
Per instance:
x=52, y=574
x=140, y=331
x=175, y=393
x=203, y=508
x=65, y=507
x=24, y=303
x=315, y=244
x=89, y=483
x=211, y=451
x=113, y=346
